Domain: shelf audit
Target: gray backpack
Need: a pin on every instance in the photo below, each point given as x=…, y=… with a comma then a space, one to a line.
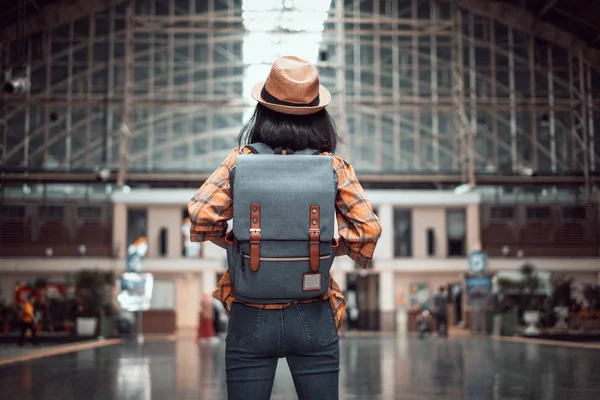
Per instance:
x=283, y=225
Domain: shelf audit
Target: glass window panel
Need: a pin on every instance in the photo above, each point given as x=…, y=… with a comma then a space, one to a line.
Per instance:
x=502, y=213
x=89, y=213
x=402, y=233
x=456, y=231
x=576, y=212
x=538, y=213
x=137, y=222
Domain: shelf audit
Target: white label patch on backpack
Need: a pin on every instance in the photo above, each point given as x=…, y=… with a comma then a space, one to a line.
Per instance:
x=311, y=281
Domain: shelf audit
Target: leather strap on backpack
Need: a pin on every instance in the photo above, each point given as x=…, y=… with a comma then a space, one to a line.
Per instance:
x=254, y=236
x=283, y=150
x=314, y=233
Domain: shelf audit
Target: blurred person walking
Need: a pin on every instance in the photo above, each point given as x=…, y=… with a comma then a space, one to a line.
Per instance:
x=28, y=320
x=440, y=303
x=281, y=186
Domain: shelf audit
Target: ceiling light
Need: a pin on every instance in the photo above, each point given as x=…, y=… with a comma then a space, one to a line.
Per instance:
x=462, y=189
x=17, y=86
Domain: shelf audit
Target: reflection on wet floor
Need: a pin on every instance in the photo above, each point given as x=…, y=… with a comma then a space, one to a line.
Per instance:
x=372, y=367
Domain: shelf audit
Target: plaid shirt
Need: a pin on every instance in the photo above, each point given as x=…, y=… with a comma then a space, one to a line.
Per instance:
x=358, y=227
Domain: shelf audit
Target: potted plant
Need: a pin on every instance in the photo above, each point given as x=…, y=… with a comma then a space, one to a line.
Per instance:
x=106, y=321
x=8, y=314
x=560, y=301
x=591, y=293
x=507, y=307
x=92, y=290
x=70, y=311
x=4, y=317
x=530, y=300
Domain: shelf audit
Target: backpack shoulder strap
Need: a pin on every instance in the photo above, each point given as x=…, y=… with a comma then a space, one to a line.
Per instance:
x=308, y=152
x=260, y=148
x=255, y=148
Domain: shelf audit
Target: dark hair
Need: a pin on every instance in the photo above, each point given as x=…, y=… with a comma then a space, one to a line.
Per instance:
x=296, y=132
x=442, y=289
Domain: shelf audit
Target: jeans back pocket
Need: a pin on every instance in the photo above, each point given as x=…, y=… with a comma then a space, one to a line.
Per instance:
x=319, y=321
x=244, y=324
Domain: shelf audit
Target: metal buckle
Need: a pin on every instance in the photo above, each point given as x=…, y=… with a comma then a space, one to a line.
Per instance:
x=255, y=230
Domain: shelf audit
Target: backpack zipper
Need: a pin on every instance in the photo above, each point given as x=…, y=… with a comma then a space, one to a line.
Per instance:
x=237, y=246
x=285, y=258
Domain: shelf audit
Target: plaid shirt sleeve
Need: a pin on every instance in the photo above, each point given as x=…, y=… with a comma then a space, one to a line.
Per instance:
x=212, y=205
x=358, y=226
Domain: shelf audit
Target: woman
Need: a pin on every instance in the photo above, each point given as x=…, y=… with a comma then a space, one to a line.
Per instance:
x=291, y=114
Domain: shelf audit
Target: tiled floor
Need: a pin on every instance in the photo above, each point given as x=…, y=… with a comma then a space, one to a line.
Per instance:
x=8, y=350
x=372, y=367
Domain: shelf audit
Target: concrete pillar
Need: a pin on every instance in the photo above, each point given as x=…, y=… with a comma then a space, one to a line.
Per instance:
x=387, y=301
x=119, y=237
x=473, y=228
x=341, y=278
x=7, y=287
x=209, y=281
x=402, y=290
x=170, y=218
x=385, y=245
x=211, y=251
x=187, y=303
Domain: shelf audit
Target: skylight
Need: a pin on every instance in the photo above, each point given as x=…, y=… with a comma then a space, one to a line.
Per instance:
x=278, y=28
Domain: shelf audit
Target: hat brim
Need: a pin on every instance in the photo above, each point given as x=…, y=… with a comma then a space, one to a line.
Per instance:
x=324, y=100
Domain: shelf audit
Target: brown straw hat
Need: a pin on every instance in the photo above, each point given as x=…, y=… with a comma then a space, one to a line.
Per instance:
x=292, y=87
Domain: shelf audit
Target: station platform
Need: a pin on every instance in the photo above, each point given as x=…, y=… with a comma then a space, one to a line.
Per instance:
x=373, y=367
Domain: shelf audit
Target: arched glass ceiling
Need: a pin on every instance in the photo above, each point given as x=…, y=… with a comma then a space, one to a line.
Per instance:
x=419, y=86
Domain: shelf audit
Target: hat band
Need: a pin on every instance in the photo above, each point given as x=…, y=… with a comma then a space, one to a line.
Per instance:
x=269, y=98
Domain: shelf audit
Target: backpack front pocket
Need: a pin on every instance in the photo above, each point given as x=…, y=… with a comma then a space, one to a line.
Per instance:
x=281, y=279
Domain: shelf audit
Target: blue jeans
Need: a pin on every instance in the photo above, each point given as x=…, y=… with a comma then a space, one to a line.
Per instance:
x=305, y=334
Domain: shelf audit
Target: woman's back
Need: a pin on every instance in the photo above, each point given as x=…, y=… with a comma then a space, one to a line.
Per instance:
x=290, y=116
